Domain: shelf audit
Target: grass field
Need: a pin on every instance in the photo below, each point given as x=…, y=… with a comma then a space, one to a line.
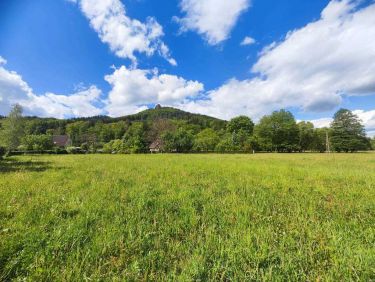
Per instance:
x=308, y=217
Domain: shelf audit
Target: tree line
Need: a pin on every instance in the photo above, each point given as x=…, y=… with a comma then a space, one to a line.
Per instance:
x=180, y=132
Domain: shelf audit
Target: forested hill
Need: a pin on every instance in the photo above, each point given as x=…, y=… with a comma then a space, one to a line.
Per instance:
x=170, y=113
x=149, y=115
x=102, y=129
x=158, y=113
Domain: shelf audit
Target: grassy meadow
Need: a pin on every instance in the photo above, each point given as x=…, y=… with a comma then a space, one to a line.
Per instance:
x=305, y=217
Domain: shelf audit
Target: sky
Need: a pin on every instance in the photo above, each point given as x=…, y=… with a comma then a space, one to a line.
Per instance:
x=223, y=58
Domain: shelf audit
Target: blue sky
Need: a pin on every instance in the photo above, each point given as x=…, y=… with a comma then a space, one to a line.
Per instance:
x=76, y=58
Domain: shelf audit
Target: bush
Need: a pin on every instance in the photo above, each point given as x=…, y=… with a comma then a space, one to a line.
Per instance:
x=114, y=147
x=206, y=141
x=226, y=145
x=75, y=150
x=22, y=148
x=60, y=151
x=37, y=142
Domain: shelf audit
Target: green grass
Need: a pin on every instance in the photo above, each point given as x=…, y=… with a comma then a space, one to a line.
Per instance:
x=305, y=217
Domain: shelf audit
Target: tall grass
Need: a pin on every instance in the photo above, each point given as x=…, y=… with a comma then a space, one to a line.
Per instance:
x=305, y=217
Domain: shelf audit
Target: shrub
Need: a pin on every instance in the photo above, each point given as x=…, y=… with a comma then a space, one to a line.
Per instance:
x=114, y=147
x=37, y=142
x=85, y=146
x=22, y=148
x=206, y=141
x=60, y=151
x=226, y=145
x=75, y=150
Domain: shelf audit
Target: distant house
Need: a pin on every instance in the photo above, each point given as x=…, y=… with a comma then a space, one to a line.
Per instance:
x=61, y=141
x=156, y=146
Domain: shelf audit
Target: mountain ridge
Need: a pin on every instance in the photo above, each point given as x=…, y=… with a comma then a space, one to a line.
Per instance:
x=145, y=115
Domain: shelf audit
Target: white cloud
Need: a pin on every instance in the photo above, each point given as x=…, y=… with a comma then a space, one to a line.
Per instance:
x=2, y=61
x=79, y=104
x=125, y=36
x=132, y=89
x=13, y=89
x=368, y=118
x=248, y=41
x=213, y=19
x=311, y=69
x=322, y=122
x=325, y=59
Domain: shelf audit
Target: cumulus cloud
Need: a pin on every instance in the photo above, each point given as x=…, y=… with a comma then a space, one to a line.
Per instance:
x=368, y=118
x=311, y=68
x=13, y=89
x=133, y=89
x=248, y=41
x=322, y=122
x=125, y=36
x=80, y=104
x=213, y=19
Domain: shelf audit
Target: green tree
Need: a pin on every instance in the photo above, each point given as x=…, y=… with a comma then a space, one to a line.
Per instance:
x=119, y=129
x=37, y=142
x=206, y=140
x=14, y=128
x=278, y=132
x=158, y=128
x=217, y=125
x=180, y=141
x=169, y=144
x=185, y=140
x=241, y=123
x=135, y=138
x=227, y=145
x=373, y=143
x=114, y=146
x=241, y=129
x=241, y=140
x=252, y=145
x=306, y=135
x=319, y=143
x=77, y=132
x=39, y=126
x=347, y=132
